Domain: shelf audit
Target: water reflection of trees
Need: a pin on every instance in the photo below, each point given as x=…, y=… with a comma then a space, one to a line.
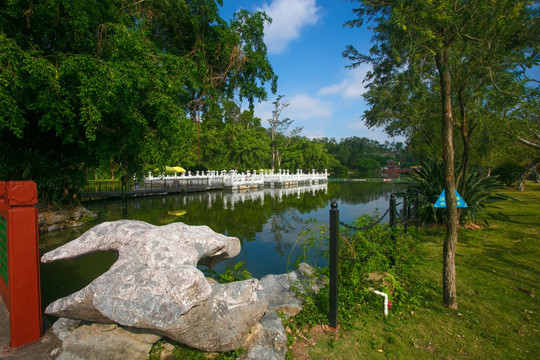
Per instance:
x=244, y=214
x=354, y=192
x=272, y=216
x=241, y=214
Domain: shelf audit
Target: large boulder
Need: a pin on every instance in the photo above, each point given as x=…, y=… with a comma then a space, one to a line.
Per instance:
x=267, y=338
x=155, y=284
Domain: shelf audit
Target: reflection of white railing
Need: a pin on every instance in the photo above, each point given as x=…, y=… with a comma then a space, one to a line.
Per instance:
x=234, y=180
x=230, y=199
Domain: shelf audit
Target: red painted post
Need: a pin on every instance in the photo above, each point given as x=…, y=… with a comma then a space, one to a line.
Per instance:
x=19, y=260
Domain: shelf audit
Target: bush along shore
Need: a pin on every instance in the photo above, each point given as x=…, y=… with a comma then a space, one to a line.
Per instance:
x=62, y=219
x=497, y=280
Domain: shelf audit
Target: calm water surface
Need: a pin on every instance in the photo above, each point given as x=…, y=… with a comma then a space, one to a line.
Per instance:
x=267, y=222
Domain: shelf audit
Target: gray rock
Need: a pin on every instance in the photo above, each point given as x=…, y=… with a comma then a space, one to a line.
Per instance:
x=80, y=212
x=108, y=342
x=155, y=284
x=54, y=227
x=63, y=327
x=223, y=322
x=282, y=289
x=50, y=221
x=268, y=339
x=167, y=352
x=57, y=217
x=77, y=213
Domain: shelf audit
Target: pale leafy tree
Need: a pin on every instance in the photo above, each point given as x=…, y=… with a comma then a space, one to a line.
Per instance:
x=431, y=45
x=528, y=134
x=280, y=136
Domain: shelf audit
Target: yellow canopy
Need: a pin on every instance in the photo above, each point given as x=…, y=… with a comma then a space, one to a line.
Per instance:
x=178, y=169
x=172, y=169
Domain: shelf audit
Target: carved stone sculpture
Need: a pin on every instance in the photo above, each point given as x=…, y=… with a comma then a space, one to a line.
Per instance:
x=156, y=285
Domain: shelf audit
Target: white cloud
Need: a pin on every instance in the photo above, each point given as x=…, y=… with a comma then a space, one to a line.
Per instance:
x=263, y=110
x=302, y=108
x=358, y=128
x=288, y=19
x=305, y=107
x=313, y=133
x=334, y=89
x=352, y=87
x=357, y=125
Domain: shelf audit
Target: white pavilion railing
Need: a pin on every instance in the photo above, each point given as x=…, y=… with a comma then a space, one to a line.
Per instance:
x=202, y=181
x=235, y=180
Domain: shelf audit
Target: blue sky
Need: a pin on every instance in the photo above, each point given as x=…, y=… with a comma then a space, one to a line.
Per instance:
x=305, y=42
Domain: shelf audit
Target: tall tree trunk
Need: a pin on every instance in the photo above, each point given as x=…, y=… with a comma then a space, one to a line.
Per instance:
x=198, y=119
x=450, y=242
x=466, y=133
x=273, y=160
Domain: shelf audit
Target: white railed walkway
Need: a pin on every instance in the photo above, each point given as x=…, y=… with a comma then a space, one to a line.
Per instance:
x=234, y=180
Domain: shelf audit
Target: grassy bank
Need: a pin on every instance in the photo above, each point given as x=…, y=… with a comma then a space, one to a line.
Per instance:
x=498, y=274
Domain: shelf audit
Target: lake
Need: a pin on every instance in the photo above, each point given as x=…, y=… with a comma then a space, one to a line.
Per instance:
x=267, y=222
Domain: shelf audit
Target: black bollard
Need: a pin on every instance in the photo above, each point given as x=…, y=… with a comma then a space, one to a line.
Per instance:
x=392, y=222
x=392, y=210
x=405, y=212
x=334, y=249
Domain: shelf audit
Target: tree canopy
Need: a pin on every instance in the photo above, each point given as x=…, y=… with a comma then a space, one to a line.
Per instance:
x=461, y=54
x=100, y=83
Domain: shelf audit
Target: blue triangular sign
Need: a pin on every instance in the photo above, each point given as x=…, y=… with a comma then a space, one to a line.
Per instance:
x=460, y=202
x=441, y=201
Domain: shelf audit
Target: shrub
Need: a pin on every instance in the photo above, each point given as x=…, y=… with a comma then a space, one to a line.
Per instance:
x=428, y=182
x=236, y=272
x=380, y=250
x=339, y=170
x=368, y=164
x=508, y=172
x=478, y=192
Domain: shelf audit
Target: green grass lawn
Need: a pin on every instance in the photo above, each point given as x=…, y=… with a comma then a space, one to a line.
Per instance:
x=498, y=275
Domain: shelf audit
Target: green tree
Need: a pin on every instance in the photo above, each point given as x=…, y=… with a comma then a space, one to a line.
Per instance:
x=417, y=44
x=279, y=132
x=118, y=84
x=234, y=139
x=368, y=164
x=307, y=154
x=527, y=133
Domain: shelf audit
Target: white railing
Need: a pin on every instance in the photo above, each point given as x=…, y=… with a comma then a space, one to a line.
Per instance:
x=234, y=179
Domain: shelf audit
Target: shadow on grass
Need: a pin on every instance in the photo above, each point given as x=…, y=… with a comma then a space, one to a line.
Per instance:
x=494, y=252
x=514, y=219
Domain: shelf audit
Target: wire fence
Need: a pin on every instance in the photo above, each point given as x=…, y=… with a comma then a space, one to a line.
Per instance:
x=407, y=215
